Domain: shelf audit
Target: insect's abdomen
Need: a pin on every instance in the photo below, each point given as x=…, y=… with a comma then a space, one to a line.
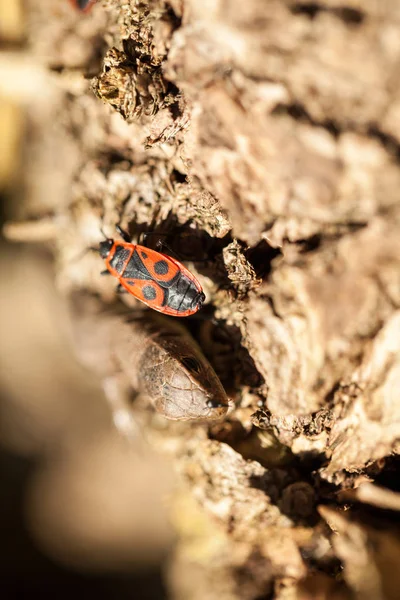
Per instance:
x=182, y=294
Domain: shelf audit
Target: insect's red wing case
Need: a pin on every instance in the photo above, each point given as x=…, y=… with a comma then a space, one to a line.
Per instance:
x=136, y=288
x=171, y=267
x=151, y=259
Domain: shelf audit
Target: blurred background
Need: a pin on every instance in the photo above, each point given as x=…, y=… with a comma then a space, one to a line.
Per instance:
x=81, y=510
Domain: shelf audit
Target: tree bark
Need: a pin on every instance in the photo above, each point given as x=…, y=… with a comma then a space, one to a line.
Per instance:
x=266, y=136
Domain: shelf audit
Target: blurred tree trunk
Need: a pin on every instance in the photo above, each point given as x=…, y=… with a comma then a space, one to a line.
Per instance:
x=274, y=128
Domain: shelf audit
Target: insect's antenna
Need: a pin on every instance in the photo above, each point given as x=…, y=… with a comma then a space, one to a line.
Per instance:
x=101, y=227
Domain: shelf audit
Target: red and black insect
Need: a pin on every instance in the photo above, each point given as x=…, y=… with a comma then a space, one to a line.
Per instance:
x=83, y=5
x=158, y=280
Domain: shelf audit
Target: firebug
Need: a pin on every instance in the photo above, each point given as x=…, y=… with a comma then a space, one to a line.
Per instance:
x=158, y=280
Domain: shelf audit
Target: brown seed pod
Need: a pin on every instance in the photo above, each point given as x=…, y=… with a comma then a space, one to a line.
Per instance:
x=157, y=356
x=179, y=379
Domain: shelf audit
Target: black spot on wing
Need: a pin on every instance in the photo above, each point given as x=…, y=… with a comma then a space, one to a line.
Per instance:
x=161, y=267
x=149, y=293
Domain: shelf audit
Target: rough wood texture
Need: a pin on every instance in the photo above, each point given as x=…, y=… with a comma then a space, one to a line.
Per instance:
x=266, y=135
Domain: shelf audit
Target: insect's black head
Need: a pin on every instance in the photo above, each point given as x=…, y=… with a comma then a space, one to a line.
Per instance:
x=200, y=299
x=105, y=247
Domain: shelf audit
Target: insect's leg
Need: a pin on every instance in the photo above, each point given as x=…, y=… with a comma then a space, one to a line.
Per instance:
x=160, y=245
x=105, y=272
x=163, y=246
x=146, y=234
x=121, y=290
x=124, y=234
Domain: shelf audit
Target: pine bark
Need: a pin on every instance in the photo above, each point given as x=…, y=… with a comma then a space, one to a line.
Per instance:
x=266, y=134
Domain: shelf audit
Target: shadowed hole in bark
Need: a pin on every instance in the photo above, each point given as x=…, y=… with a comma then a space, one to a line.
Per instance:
x=128, y=46
x=260, y=257
x=350, y=16
x=173, y=18
x=222, y=344
x=311, y=460
x=310, y=244
x=229, y=432
x=293, y=494
x=267, y=483
x=178, y=177
x=174, y=108
x=306, y=463
x=316, y=241
x=114, y=158
x=389, y=477
x=389, y=142
x=268, y=596
x=299, y=113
